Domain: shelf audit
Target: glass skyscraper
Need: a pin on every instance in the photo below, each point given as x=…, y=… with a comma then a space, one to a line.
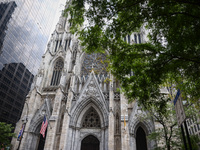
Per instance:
x=25, y=27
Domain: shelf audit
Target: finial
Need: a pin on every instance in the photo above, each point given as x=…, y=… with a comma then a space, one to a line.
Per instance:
x=92, y=66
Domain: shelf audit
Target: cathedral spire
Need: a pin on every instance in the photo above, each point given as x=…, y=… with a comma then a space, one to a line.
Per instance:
x=60, y=27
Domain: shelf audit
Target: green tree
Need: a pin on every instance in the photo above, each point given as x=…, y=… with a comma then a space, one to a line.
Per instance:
x=166, y=134
x=172, y=52
x=5, y=134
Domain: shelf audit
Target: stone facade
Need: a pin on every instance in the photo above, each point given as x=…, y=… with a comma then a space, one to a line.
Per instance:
x=69, y=89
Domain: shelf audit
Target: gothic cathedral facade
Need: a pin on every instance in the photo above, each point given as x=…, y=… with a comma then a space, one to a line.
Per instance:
x=81, y=102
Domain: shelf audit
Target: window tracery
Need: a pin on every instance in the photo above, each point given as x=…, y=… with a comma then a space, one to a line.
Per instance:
x=91, y=120
x=57, y=72
x=96, y=62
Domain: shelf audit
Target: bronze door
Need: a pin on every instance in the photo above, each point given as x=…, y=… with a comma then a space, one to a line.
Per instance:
x=90, y=143
x=141, y=141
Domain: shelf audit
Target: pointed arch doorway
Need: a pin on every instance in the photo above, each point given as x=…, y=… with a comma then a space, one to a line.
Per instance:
x=41, y=141
x=141, y=141
x=90, y=143
x=90, y=120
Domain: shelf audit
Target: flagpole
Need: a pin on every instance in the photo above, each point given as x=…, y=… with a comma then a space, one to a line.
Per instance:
x=19, y=145
x=22, y=136
x=24, y=125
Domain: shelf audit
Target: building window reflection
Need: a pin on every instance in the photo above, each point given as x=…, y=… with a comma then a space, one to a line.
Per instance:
x=25, y=27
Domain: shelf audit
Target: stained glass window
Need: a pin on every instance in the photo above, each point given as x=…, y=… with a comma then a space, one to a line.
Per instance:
x=96, y=62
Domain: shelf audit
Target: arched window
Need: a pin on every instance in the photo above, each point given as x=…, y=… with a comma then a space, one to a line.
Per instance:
x=91, y=119
x=55, y=80
x=96, y=62
x=117, y=125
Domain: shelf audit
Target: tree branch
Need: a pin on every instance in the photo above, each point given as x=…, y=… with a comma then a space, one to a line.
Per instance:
x=171, y=127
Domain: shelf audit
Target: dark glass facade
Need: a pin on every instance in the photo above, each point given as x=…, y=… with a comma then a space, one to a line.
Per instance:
x=15, y=82
x=25, y=27
x=5, y=17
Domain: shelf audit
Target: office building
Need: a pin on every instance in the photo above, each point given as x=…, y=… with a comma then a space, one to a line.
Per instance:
x=15, y=82
x=5, y=14
x=25, y=27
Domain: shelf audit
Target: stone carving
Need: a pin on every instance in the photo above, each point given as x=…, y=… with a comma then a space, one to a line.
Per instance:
x=90, y=95
x=53, y=118
x=135, y=120
x=75, y=46
x=106, y=96
x=91, y=90
x=90, y=132
x=117, y=96
x=76, y=96
x=61, y=23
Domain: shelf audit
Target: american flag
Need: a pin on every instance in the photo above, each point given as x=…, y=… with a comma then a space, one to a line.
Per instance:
x=44, y=126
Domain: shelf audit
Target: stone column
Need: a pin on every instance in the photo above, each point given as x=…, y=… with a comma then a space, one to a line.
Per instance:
x=65, y=127
x=77, y=138
x=53, y=122
x=124, y=123
x=105, y=141
x=111, y=117
x=132, y=142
